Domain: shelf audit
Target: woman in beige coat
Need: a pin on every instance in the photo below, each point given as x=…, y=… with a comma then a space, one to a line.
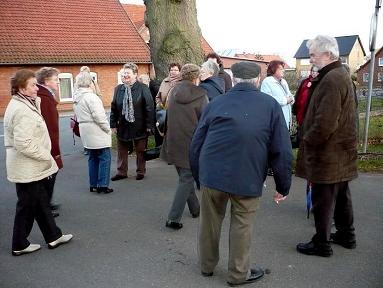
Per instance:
x=29, y=165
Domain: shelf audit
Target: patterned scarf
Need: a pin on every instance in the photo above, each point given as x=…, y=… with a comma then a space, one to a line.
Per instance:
x=127, y=104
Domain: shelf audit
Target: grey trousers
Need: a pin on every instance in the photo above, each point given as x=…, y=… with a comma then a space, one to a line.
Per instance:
x=185, y=193
x=213, y=209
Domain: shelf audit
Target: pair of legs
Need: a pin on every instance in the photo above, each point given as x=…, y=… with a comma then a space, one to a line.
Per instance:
x=332, y=201
x=123, y=150
x=213, y=209
x=185, y=193
x=33, y=203
x=99, y=167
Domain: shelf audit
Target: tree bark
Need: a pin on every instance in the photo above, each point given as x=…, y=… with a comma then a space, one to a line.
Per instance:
x=174, y=33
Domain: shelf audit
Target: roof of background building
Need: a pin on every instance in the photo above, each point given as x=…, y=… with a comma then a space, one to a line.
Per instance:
x=71, y=31
x=345, y=44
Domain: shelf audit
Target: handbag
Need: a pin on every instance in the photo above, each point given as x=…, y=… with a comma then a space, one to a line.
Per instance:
x=152, y=153
x=74, y=124
x=161, y=121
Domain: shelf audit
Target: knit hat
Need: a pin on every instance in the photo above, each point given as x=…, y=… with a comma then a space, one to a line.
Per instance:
x=245, y=70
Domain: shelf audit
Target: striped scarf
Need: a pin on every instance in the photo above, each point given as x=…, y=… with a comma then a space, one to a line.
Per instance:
x=127, y=104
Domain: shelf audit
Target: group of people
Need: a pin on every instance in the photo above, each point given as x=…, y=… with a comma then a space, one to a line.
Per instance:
x=221, y=139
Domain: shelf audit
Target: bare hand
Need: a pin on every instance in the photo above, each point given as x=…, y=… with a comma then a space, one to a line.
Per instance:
x=278, y=197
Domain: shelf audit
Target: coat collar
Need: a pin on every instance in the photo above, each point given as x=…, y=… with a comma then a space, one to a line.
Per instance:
x=243, y=86
x=28, y=104
x=326, y=69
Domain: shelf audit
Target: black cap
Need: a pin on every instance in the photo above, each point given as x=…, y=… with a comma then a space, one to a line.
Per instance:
x=245, y=70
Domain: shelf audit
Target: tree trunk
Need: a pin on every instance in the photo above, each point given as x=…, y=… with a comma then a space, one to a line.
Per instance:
x=174, y=33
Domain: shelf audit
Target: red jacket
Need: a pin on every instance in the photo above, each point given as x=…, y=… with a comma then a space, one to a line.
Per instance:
x=51, y=117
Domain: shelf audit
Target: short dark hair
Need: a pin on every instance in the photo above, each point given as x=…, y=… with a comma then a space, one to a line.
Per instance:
x=215, y=56
x=273, y=67
x=175, y=64
x=45, y=73
x=20, y=79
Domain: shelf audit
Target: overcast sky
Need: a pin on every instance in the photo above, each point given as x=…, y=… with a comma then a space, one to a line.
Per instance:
x=279, y=26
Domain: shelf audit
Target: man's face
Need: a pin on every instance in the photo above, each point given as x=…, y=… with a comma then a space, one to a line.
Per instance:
x=319, y=59
x=52, y=82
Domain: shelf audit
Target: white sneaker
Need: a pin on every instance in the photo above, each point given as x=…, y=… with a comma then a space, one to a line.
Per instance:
x=31, y=248
x=62, y=240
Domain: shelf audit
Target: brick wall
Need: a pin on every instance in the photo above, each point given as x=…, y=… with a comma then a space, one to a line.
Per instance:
x=106, y=77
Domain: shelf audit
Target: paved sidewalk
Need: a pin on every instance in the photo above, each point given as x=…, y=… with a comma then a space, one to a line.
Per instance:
x=120, y=239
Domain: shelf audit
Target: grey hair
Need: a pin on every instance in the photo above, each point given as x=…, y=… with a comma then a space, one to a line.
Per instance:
x=131, y=66
x=211, y=66
x=323, y=44
x=83, y=80
x=85, y=69
x=251, y=80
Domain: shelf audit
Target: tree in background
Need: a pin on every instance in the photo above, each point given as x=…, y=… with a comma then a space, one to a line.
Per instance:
x=174, y=33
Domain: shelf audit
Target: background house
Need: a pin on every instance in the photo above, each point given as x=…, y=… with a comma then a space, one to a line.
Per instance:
x=364, y=71
x=67, y=35
x=351, y=51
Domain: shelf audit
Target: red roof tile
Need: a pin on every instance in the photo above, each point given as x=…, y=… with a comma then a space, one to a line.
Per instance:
x=136, y=14
x=206, y=46
x=71, y=31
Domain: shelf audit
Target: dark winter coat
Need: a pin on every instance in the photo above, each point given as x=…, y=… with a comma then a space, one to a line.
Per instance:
x=51, y=117
x=214, y=86
x=226, y=77
x=143, y=112
x=185, y=105
x=328, y=149
x=239, y=133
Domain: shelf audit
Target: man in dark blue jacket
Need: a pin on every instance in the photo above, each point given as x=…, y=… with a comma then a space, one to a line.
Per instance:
x=238, y=134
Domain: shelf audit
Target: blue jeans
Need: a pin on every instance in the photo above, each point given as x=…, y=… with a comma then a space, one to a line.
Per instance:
x=99, y=167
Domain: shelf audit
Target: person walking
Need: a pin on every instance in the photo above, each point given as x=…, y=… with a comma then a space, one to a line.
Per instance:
x=186, y=103
x=29, y=165
x=236, y=137
x=47, y=82
x=328, y=150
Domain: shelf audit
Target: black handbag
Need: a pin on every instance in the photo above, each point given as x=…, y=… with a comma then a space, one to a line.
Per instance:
x=152, y=153
x=161, y=121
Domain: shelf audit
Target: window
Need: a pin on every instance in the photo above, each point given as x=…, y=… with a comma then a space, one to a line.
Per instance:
x=119, y=81
x=94, y=76
x=305, y=62
x=380, y=61
x=66, y=87
x=365, y=77
x=343, y=59
x=380, y=76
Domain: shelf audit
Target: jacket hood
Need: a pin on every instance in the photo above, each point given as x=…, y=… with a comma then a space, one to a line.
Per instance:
x=217, y=82
x=186, y=92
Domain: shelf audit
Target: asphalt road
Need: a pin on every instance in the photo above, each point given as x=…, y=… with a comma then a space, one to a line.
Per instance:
x=120, y=239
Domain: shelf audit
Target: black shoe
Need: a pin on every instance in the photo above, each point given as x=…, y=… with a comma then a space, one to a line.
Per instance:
x=104, y=190
x=55, y=214
x=346, y=243
x=314, y=249
x=140, y=176
x=173, y=225
x=93, y=189
x=255, y=274
x=55, y=206
x=207, y=274
x=118, y=177
x=195, y=215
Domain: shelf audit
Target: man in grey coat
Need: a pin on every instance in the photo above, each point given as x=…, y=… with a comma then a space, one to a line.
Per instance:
x=238, y=134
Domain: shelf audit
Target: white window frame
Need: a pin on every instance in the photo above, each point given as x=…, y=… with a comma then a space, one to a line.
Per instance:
x=66, y=76
x=94, y=76
x=380, y=76
x=365, y=77
x=380, y=61
x=119, y=81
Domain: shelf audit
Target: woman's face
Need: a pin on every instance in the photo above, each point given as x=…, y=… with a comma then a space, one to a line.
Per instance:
x=30, y=89
x=174, y=71
x=279, y=73
x=52, y=82
x=129, y=76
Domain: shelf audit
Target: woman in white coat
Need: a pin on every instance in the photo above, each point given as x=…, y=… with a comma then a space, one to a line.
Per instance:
x=95, y=133
x=29, y=165
x=277, y=87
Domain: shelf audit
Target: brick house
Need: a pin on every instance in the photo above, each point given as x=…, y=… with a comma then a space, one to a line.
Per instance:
x=364, y=71
x=351, y=52
x=67, y=35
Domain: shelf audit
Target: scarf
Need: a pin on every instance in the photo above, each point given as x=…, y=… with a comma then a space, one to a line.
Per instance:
x=127, y=104
x=28, y=98
x=173, y=80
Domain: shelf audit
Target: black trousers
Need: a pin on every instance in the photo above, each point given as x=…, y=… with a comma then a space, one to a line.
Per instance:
x=33, y=203
x=332, y=201
x=50, y=186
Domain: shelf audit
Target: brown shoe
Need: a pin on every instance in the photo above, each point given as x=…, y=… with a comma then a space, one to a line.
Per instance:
x=140, y=176
x=118, y=177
